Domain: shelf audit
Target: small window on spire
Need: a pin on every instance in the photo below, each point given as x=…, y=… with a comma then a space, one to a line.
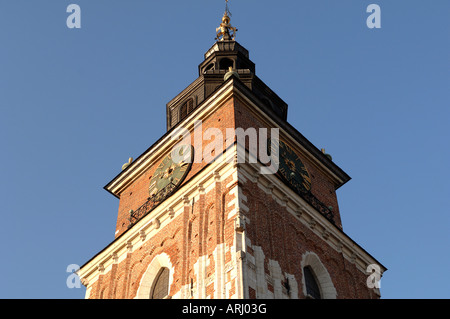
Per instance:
x=225, y=63
x=183, y=111
x=186, y=108
x=190, y=105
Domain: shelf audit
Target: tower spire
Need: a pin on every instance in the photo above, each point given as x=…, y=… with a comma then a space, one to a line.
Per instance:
x=226, y=31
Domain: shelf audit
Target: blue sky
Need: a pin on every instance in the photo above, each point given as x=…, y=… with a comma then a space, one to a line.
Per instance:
x=76, y=103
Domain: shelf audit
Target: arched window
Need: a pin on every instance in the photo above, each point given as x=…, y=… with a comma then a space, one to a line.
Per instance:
x=209, y=67
x=225, y=63
x=317, y=282
x=160, y=287
x=154, y=273
x=312, y=288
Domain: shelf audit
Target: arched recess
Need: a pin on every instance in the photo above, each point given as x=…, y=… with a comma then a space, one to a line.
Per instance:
x=225, y=63
x=209, y=67
x=151, y=274
x=311, y=260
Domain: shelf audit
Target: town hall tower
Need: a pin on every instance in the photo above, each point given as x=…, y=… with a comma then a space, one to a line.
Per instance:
x=197, y=216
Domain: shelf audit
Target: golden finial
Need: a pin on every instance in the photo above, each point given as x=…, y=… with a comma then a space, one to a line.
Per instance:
x=226, y=31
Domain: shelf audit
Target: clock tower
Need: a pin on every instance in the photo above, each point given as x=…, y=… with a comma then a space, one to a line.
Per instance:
x=199, y=217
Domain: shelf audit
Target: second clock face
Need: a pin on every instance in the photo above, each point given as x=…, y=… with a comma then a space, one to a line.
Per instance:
x=292, y=170
x=170, y=172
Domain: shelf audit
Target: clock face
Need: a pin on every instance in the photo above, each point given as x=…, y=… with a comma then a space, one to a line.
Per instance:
x=292, y=170
x=170, y=173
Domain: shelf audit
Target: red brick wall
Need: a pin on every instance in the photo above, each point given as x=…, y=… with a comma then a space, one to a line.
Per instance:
x=321, y=185
x=197, y=232
x=285, y=239
x=137, y=193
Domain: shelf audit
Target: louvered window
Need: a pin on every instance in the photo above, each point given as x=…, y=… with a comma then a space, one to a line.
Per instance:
x=186, y=108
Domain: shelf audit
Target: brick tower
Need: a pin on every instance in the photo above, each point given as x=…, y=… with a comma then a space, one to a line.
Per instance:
x=198, y=216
